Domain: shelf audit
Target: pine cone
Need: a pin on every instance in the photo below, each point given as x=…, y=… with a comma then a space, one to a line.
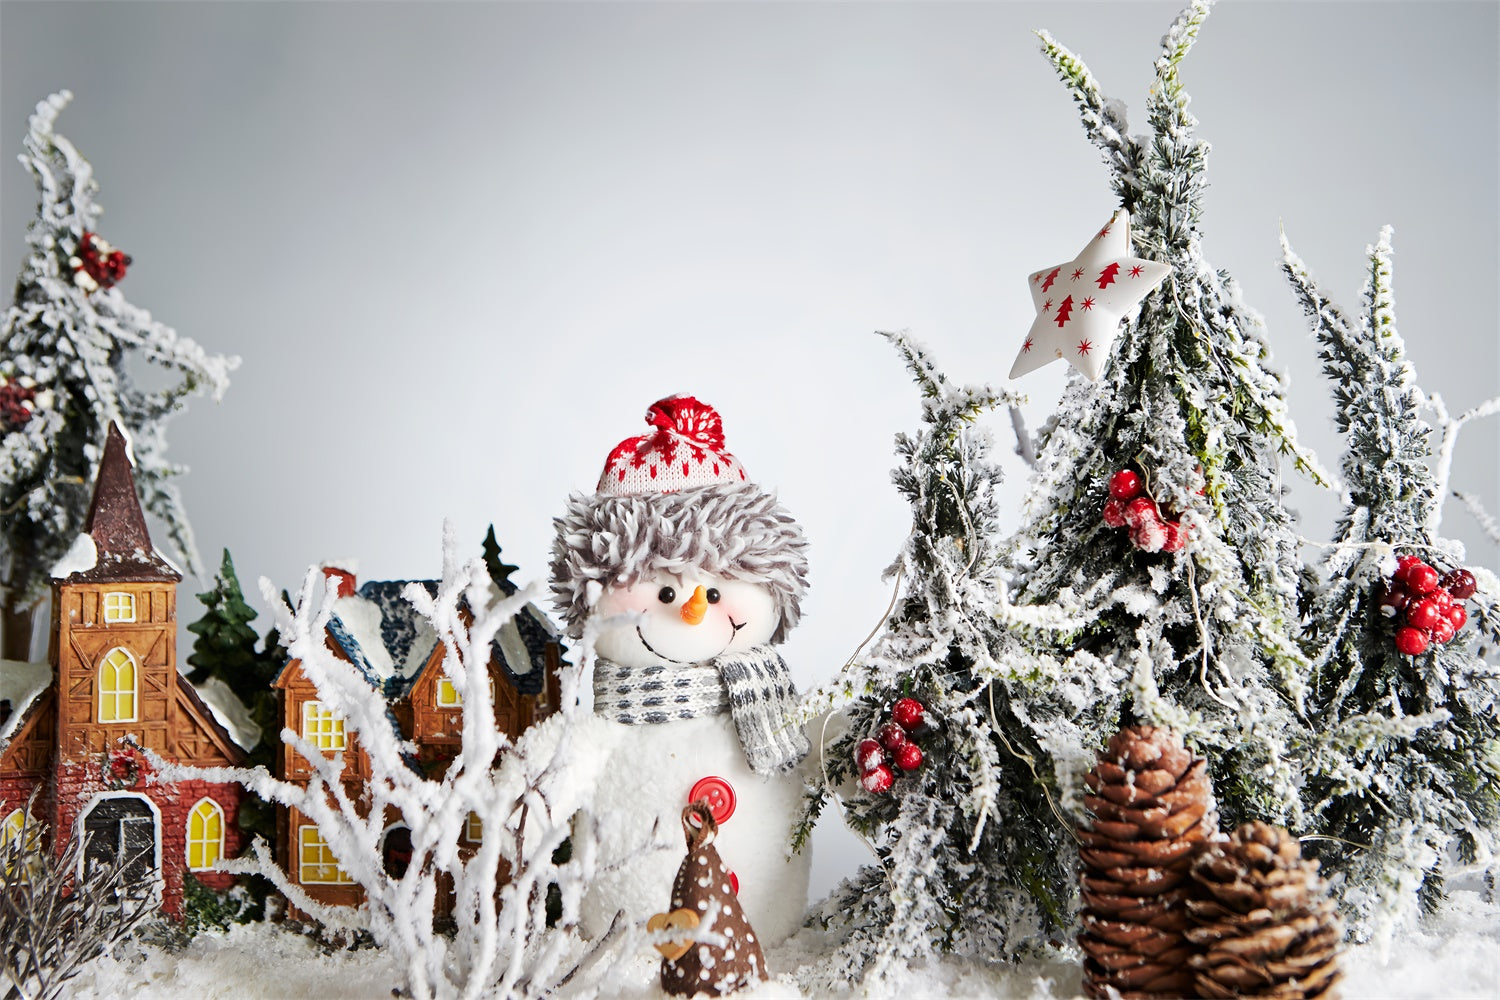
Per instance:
x=1153, y=810
x=1264, y=923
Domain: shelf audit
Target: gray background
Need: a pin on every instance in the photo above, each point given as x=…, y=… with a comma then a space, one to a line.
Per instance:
x=462, y=246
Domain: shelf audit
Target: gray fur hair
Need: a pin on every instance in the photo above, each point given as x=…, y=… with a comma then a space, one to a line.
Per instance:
x=736, y=531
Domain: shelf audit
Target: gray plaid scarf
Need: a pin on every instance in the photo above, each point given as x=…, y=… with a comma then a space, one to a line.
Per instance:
x=754, y=686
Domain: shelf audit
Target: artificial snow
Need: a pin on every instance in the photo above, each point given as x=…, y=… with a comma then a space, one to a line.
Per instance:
x=20, y=684
x=229, y=712
x=82, y=556
x=1452, y=954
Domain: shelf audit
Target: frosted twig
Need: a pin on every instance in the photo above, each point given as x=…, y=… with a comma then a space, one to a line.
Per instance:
x=1450, y=426
x=1025, y=446
x=1487, y=523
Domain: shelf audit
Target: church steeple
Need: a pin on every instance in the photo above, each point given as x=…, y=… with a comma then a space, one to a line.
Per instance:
x=117, y=525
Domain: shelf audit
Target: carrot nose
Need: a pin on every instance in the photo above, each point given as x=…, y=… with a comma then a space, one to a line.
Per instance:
x=696, y=607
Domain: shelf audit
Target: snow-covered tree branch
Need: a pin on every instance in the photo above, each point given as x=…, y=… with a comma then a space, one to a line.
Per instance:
x=530, y=796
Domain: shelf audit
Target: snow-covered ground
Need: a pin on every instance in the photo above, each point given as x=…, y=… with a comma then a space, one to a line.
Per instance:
x=1455, y=953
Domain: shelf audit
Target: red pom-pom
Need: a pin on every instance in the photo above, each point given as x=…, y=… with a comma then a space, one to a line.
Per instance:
x=1141, y=510
x=908, y=713
x=868, y=754
x=877, y=780
x=1114, y=513
x=1443, y=632
x=1125, y=484
x=1423, y=614
x=1456, y=614
x=1421, y=579
x=891, y=736
x=1460, y=584
x=909, y=757
x=1411, y=641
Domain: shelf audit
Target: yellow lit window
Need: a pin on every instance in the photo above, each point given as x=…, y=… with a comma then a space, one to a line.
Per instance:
x=11, y=828
x=316, y=863
x=322, y=727
x=117, y=687
x=205, y=835
x=447, y=694
x=119, y=607
x=474, y=829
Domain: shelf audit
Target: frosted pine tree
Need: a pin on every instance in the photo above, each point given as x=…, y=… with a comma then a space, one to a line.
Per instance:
x=972, y=852
x=1204, y=636
x=1403, y=777
x=66, y=347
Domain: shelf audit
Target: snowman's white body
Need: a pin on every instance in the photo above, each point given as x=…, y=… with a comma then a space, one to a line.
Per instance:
x=648, y=778
x=654, y=767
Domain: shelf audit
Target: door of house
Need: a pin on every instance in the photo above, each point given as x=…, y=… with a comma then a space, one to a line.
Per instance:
x=122, y=831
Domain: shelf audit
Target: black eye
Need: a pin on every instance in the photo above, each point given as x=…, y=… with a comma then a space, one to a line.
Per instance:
x=666, y=595
x=712, y=595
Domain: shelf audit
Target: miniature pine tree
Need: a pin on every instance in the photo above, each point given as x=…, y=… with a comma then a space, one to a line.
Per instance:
x=67, y=345
x=1403, y=780
x=225, y=647
x=972, y=850
x=1186, y=417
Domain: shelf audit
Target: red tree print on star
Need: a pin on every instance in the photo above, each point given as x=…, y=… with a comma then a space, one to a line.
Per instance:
x=1064, y=310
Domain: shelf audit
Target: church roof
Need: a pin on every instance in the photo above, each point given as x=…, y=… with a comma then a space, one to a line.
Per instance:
x=116, y=529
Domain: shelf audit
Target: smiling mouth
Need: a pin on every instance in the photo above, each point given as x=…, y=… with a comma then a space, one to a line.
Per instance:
x=734, y=631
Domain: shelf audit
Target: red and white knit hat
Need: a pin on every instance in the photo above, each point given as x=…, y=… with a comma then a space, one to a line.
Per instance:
x=685, y=450
x=675, y=500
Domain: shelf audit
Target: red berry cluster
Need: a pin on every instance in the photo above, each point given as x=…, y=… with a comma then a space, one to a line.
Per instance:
x=16, y=404
x=1128, y=506
x=1427, y=607
x=894, y=738
x=103, y=264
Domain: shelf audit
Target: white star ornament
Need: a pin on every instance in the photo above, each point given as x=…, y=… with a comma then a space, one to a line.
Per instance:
x=1079, y=305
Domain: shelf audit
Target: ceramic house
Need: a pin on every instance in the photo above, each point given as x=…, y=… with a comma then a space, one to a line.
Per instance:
x=378, y=631
x=67, y=726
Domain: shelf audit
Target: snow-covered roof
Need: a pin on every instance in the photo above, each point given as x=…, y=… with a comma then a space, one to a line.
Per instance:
x=82, y=556
x=229, y=712
x=21, y=684
x=382, y=633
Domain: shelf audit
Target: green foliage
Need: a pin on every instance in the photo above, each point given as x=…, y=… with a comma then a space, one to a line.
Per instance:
x=205, y=909
x=1403, y=762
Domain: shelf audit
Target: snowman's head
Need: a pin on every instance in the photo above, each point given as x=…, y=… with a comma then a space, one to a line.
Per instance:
x=677, y=532
x=736, y=544
x=685, y=619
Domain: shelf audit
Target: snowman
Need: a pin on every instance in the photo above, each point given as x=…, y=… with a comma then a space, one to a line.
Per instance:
x=708, y=571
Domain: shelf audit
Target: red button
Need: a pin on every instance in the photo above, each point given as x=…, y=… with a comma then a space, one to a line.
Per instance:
x=734, y=882
x=720, y=796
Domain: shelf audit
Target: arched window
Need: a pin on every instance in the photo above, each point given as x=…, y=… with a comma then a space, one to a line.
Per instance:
x=117, y=682
x=11, y=827
x=205, y=835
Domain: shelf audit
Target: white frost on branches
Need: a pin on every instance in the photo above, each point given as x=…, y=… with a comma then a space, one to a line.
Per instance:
x=530, y=796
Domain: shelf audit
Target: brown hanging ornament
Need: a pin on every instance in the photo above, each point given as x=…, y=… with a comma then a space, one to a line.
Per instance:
x=703, y=889
x=1264, y=923
x=1153, y=809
